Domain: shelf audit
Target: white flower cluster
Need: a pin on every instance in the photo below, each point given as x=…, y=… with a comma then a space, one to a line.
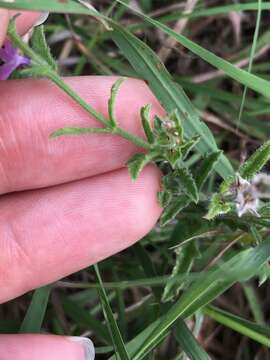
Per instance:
x=248, y=193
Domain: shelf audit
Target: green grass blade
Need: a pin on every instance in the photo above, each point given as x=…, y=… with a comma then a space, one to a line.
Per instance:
x=33, y=319
x=188, y=342
x=254, y=303
x=253, y=82
x=115, y=333
x=247, y=328
x=71, y=6
x=225, y=9
x=252, y=54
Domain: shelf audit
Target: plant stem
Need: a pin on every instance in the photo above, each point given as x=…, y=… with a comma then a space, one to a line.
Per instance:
x=131, y=137
x=69, y=91
x=49, y=73
x=111, y=127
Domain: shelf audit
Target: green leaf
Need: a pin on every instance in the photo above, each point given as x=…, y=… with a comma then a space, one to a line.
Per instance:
x=108, y=314
x=39, y=45
x=175, y=206
x=188, y=342
x=217, y=207
x=264, y=274
x=259, y=333
x=226, y=184
x=185, y=256
x=33, y=319
x=256, y=162
x=251, y=58
x=79, y=131
x=145, y=116
x=254, y=303
x=189, y=145
x=111, y=102
x=138, y=162
x=71, y=6
x=164, y=198
x=189, y=186
x=170, y=94
x=206, y=167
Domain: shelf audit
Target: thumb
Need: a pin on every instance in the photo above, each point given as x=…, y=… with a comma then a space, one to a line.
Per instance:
x=3, y=24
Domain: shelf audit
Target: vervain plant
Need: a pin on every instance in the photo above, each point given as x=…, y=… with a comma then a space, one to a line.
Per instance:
x=166, y=143
x=240, y=204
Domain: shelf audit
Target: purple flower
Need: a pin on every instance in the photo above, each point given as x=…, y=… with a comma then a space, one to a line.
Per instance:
x=10, y=59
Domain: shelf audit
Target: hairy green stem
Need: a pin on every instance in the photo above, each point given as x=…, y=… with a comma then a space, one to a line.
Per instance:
x=56, y=79
x=49, y=73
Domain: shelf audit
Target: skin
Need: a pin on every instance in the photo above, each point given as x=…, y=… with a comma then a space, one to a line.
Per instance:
x=69, y=202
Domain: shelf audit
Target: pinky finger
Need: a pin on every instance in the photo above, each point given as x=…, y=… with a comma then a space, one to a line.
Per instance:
x=44, y=347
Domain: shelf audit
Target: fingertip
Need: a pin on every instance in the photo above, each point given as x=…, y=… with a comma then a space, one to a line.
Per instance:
x=146, y=209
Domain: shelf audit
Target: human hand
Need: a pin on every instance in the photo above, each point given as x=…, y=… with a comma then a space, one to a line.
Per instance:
x=68, y=202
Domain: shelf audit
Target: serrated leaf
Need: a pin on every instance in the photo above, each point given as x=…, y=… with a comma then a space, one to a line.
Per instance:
x=184, y=259
x=189, y=145
x=164, y=198
x=157, y=124
x=145, y=117
x=226, y=184
x=217, y=207
x=111, y=102
x=256, y=162
x=138, y=162
x=206, y=167
x=189, y=186
x=39, y=45
x=170, y=182
x=175, y=206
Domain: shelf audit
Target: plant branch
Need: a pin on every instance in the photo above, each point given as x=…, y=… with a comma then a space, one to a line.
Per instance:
x=46, y=71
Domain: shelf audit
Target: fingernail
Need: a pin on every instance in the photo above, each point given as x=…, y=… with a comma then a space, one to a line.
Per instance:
x=43, y=17
x=88, y=347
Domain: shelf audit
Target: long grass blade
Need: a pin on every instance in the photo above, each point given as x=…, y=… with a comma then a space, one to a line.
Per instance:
x=113, y=327
x=259, y=333
x=33, y=319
